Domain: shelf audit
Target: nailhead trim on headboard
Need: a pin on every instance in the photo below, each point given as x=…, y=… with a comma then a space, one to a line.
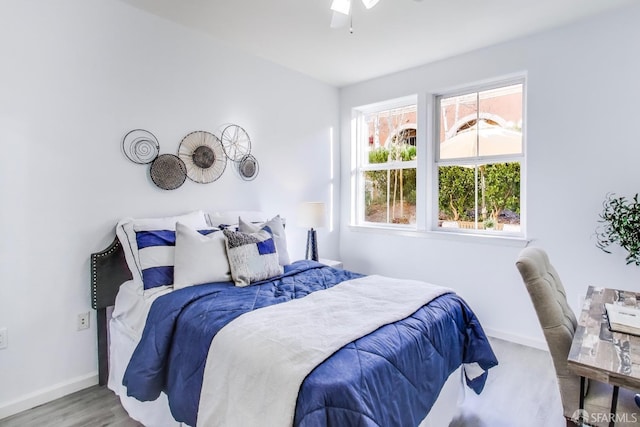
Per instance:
x=108, y=271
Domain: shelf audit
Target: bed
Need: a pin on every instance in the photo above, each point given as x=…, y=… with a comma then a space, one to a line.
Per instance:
x=246, y=351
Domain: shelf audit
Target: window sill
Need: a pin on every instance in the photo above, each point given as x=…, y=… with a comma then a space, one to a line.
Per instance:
x=487, y=238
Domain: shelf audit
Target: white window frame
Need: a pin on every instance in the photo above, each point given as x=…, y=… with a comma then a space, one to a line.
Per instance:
x=427, y=187
x=359, y=165
x=433, y=205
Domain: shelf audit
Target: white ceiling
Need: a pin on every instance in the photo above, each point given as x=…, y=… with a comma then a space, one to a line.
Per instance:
x=394, y=35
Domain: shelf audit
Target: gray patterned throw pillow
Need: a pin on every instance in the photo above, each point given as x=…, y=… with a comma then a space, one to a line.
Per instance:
x=252, y=256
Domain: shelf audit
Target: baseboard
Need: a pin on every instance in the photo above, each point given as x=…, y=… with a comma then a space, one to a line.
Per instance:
x=45, y=395
x=518, y=339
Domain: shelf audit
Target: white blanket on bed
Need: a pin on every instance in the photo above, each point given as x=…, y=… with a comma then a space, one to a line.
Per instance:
x=257, y=362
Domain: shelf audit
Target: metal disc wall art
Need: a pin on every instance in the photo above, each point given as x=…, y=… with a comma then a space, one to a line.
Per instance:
x=168, y=172
x=236, y=142
x=248, y=168
x=140, y=146
x=203, y=155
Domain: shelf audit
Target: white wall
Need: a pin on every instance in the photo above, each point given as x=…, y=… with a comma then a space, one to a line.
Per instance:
x=582, y=112
x=76, y=75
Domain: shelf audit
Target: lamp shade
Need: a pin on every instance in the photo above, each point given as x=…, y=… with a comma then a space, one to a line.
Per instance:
x=312, y=215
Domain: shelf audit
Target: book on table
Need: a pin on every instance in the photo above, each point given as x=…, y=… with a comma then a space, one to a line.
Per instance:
x=623, y=319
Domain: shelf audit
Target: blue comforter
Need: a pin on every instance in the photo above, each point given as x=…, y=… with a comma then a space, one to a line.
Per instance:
x=390, y=377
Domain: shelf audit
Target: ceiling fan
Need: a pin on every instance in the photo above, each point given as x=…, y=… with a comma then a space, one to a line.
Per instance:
x=344, y=6
x=342, y=11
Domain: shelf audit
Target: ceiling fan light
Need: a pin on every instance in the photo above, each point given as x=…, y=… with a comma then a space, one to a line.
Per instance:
x=341, y=6
x=370, y=3
x=339, y=20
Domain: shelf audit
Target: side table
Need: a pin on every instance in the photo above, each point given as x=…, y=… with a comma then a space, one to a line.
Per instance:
x=331, y=263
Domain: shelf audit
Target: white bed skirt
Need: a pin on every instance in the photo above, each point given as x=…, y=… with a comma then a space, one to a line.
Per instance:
x=150, y=414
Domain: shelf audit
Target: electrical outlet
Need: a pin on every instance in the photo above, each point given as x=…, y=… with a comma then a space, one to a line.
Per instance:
x=4, y=338
x=83, y=321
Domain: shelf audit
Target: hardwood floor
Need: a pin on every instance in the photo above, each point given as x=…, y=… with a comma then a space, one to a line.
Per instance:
x=521, y=392
x=95, y=406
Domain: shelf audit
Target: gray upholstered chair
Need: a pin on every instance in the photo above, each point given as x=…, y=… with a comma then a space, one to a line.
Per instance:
x=559, y=325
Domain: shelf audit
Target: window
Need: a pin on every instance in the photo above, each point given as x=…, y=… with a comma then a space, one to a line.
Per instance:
x=479, y=157
x=386, y=163
x=473, y=180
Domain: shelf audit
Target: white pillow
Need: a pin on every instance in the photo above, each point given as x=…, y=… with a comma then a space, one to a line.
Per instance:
x=199, y=259
x=276, y=228
x=126, y=232
x=217, y=218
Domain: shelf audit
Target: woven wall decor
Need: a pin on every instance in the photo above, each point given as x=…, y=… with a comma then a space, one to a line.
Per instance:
x=140, y=146
x=168, y=172
x=248, y=168
x=203, y=155
x=236, y=142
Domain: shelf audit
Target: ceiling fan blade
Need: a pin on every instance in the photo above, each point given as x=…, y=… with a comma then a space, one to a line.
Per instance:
x=370, y=3
x=341, y=6
x=339, y=20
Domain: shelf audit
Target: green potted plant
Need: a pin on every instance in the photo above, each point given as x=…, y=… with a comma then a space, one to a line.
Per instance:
x=620, y=224
x=489, y=223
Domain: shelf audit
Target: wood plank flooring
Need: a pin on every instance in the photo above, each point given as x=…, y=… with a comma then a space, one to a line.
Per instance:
x=520, y=392
x=95, y=407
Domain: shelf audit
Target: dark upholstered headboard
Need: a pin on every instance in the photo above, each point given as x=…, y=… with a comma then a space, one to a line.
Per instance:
x=108, y=271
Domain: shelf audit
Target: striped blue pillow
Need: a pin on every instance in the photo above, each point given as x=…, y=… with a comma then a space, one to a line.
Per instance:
x=156, y=253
